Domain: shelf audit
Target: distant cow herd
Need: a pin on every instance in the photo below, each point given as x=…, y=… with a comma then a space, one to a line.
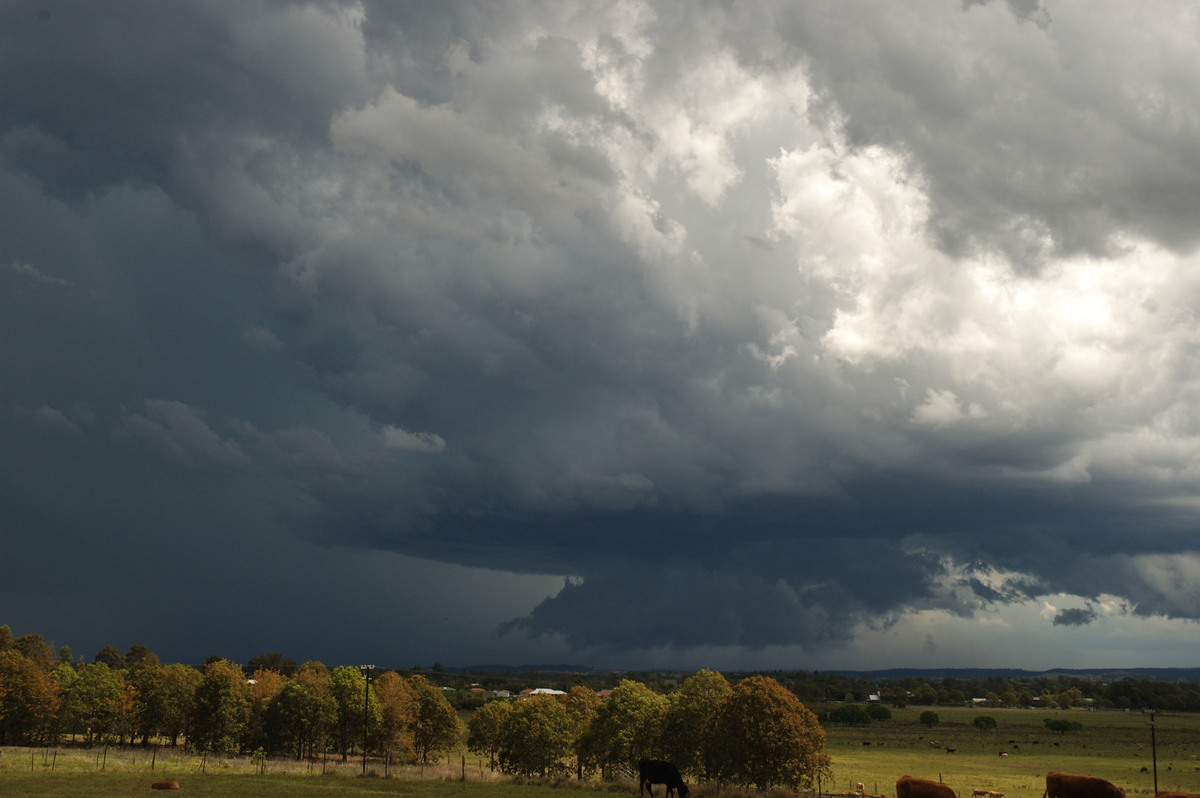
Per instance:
x=1058, y=785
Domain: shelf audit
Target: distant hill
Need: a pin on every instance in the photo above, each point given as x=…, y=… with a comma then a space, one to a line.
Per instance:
x=1168, y=675
x=527, y=669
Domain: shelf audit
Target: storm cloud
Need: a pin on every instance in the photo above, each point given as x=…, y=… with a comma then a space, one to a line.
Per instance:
x=654, y=329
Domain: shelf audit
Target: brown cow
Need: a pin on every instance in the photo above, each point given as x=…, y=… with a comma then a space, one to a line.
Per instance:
x=912, y=787
x=1068, y=785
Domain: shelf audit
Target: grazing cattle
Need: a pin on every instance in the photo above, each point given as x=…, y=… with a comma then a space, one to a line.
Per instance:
x=1177, y=795
x=979, y=793
x=1145, y=769
x=862, y=788
x=170, y=784
x=655, y=771
x=1068, y=785
x=950, y=750
x=1004, y=753
x=912, y=787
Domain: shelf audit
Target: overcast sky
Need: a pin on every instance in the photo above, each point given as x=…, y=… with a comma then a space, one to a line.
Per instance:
x=632, y=334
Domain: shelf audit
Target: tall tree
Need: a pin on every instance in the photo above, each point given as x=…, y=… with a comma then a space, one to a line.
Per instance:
x=535, y=737
x=94, y=703
x=300, y=716
x=349, y=692
x=582, y=705
x=689, y=712
x=766, y=737
x=110, y=656
x=222, y=708
x=148, y=678
x=485, y=729
x=397, y=707
x=264, y=684
x=28, y=700
x=180, y=683
x=36, y=650
x=436, y=726
x=627, y=727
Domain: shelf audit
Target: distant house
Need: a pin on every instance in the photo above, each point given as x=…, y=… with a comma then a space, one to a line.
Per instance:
x=543, y=691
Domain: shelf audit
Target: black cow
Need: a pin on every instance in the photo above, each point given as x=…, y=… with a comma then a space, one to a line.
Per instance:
x=655, y=771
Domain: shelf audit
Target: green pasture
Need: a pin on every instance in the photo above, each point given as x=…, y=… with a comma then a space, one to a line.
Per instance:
x=1112, y=745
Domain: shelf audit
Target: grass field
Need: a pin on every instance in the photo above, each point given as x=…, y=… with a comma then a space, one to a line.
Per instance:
x=1112, y=745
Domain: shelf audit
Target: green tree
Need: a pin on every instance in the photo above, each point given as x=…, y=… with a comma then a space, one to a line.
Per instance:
x=766, y=737
x=36, y=650
x=1061, y=725
x=685, y=726
x=349, y=688
x=147, y=678
x=180, y=683
x=484, y=729
x=849, y=715
x=110, y=656
x=984, y=722
x=222, y=708
x=628, y=726
x=535, y=737
x=929, y=718
x=879, y=712
x=298, y=719
x=436, y=726
x=94, y=701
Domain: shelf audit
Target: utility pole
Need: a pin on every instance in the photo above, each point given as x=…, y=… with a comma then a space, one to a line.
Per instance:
x=1154, y=752
x=366, y=672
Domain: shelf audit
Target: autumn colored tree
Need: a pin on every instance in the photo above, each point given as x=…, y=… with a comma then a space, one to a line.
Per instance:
x=436, y=726
x=28, y=700
x=689, y=712
x=397, y=702
x=264, y=684
x=536, y=737
x=627, y=727
x=762, y=736
x=582, y=705
x=485, y=729
x=222, y=708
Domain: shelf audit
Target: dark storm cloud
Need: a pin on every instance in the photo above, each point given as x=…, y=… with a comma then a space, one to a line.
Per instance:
x=695, y=304
x=1075, y=617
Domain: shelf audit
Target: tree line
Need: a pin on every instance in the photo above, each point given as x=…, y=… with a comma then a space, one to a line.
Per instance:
x=755, y=733
x=50, y=699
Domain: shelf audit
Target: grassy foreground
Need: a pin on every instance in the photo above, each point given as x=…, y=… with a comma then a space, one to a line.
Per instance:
x=1112, y=745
